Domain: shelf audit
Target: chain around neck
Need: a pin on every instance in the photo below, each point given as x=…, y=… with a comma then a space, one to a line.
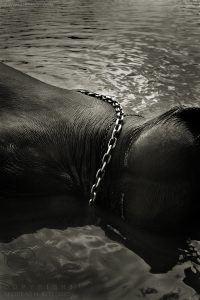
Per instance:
x=111, y=144
x=192, y=253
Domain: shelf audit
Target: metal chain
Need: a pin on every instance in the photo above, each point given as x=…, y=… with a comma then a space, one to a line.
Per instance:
x=111, y=143
x=192, y=253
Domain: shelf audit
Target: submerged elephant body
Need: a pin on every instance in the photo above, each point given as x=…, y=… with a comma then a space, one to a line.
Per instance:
x=51, y=144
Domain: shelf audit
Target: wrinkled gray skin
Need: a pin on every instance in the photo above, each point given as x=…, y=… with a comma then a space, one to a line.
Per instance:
x=51, y=144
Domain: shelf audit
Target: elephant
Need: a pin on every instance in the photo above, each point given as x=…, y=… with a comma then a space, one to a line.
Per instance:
x=51, y=145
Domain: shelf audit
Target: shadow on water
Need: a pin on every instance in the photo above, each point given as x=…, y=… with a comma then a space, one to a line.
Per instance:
x=101, y=261
x=18, y=217
x=161, y=251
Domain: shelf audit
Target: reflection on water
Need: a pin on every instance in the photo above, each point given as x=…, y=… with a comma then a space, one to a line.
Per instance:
x=84, y=263
x=146, y=52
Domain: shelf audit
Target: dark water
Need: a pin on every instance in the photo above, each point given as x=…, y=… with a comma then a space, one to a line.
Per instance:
x=146, y=52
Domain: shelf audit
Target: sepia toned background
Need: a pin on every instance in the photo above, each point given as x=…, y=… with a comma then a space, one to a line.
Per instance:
x=146, y=53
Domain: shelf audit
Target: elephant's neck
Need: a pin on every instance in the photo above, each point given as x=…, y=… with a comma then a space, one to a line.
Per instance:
x=111, y=189
x=92, y=122
x=91, y=127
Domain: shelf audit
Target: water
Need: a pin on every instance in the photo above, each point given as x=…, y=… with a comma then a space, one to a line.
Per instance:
x=146, y=52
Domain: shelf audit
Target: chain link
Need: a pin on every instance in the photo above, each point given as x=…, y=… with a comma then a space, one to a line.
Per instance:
x=111, y=143
x=192, y=253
